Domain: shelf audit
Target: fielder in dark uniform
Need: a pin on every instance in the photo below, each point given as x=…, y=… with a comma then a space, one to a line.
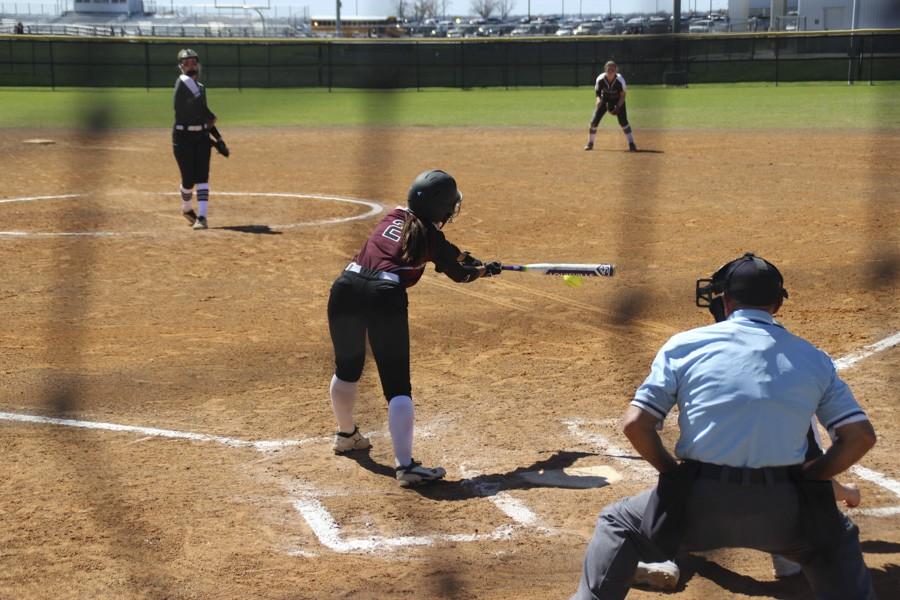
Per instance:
x=743, y=477
x=370, y=297
x=194, y=124
x=610, y=89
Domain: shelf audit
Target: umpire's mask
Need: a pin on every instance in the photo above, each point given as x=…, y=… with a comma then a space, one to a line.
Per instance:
x=750, y=280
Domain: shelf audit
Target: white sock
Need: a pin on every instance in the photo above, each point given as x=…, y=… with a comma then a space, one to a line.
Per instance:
x=186, y=199
x=343, y=398
x=627, y=131
x=401, y=419
x=202, y=198
x=592, y=135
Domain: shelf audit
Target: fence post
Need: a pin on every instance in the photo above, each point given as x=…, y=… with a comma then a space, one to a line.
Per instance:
x=330, y=74
x=239, y=69
x=462, y=64
x=776, y=60
x=268, y=64
x=418, y=74
x=147, y=65
x=52, y=66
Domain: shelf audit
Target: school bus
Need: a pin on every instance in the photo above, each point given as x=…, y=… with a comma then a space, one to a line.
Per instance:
x=359, y=26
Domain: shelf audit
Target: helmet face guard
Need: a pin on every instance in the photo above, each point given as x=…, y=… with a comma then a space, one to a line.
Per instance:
x=457, y=207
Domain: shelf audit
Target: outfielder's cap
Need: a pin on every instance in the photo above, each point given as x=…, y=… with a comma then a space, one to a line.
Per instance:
x=753, y=281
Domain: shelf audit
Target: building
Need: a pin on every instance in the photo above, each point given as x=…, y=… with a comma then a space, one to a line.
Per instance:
x=123, y=7
x=820, y=15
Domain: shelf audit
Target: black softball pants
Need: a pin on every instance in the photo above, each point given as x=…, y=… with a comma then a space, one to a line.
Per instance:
x=603, y=108
x=362, y=303
x=192, y=150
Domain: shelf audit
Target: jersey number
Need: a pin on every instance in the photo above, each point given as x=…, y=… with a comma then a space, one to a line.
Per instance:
x=394, y=230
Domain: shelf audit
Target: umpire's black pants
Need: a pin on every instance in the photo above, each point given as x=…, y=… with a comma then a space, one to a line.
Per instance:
x=192, y=150
x=362, y=303
x=721, y=514
x=603, y=108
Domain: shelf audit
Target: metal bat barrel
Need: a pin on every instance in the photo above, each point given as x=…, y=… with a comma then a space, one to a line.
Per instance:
x=582, y=269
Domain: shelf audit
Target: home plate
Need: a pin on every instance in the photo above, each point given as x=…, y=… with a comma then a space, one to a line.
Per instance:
x=573, y=477
x=40, y=141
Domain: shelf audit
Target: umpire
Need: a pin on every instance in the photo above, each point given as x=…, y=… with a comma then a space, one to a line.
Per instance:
x=194, y=124
x=746, y=389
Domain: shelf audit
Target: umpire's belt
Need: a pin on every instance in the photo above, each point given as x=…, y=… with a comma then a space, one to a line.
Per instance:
x=372, y=272
x=742, y=475
x=190, y=127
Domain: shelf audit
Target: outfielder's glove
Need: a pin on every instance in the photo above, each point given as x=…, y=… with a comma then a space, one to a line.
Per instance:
x=221, y=148
x=492, y=268
x=470, y=261
x=614, y=109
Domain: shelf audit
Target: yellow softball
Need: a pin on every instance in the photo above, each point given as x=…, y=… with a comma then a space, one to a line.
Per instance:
x=572, y=280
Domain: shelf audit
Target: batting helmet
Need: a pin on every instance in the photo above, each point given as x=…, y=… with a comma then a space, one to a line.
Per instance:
x=187, y=53
x=750, y=279
x=434, y=197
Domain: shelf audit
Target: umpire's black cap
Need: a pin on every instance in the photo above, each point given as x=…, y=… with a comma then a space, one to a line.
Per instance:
x=752, y=280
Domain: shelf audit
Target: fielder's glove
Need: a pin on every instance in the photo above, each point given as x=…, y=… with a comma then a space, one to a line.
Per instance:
x=221, y=148
x=492, y=268
x=614, y=110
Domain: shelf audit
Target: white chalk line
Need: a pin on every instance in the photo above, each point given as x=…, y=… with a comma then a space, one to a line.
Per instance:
x=512, y=507
x=38, y=198
x=329, y=533
x=854, y=357
x=374, y=209
x=261, y=446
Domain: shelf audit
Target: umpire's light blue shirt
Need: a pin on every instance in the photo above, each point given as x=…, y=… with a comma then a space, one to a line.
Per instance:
x=746, y=389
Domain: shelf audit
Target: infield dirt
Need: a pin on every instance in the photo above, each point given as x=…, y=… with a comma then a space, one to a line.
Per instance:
x=223, y=332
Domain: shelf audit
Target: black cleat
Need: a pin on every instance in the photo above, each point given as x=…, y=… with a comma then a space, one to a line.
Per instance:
x=589, y=146
x=632, y=147
x=191, y=216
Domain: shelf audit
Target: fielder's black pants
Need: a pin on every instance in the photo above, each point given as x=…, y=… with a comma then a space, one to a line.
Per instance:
x=603, y=108
x=361, y=303
x=192, y=149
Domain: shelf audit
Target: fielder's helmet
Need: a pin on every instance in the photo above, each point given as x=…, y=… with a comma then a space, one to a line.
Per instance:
x=750, y=279
x=434, y=197
x=186, y=54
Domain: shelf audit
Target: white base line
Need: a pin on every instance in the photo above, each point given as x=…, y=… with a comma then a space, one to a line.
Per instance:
x=855, y=357
x=261, y=446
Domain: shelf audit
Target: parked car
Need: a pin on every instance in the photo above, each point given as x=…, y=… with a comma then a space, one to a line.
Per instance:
x=635, y=25
x=658, y=25
x=701, y=26
x=613, y=27
x=563, y=31
x=589, y=28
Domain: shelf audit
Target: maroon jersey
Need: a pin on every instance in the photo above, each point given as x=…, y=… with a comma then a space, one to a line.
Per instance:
x=384, y=249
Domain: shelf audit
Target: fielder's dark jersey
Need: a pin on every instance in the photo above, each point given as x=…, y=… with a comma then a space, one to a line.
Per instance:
x=384, y=249
x=609, y=92
x=190, y=102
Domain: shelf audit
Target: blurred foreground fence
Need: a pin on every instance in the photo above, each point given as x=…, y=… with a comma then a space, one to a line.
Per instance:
x=869, y=56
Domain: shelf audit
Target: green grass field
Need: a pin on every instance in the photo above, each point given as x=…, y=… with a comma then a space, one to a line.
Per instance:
x=825, y=105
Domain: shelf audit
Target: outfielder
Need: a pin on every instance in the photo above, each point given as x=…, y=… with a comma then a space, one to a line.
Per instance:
x=610, y=89
x=369, y=297
x=194, y=124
